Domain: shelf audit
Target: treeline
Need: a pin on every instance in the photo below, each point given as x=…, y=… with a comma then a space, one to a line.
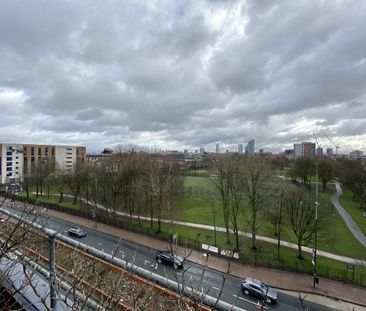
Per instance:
x=126, y=181
x=140, y=183
x=351, y=173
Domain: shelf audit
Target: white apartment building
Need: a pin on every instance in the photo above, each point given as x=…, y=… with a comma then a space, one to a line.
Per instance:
x=65, y=157
x=11, y=163
x=19, y=159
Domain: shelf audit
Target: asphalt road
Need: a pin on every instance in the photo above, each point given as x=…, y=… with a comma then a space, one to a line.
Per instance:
x=202, y=279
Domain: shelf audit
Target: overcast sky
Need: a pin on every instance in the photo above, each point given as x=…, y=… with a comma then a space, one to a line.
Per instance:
x=183, y=74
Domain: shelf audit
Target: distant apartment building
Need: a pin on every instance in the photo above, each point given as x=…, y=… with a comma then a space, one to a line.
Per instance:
x=289, y=154
x=240, y=148
x=304, y=149
x=250, y=148
x=319, y=152
x=19, y=159
x=217, y=148
x=356, y=154
x=202, y=151
x=329, y=152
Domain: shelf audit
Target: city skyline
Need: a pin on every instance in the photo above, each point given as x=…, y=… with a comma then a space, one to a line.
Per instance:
x=183, y=75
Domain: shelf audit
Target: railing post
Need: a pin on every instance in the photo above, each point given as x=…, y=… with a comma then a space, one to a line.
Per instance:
x=52, y=268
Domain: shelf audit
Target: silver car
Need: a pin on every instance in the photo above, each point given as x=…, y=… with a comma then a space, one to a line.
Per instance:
x=77, y=232
x=259, y=290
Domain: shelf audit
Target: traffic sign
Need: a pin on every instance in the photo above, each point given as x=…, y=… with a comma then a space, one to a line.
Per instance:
x=350, y=266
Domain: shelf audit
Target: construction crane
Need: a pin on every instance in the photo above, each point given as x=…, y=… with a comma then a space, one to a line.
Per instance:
x=316, y=139
x=333, y=143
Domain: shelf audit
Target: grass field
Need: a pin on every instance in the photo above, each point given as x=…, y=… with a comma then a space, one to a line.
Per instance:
x=199, y=206
x=333, y=234
x=67, y=202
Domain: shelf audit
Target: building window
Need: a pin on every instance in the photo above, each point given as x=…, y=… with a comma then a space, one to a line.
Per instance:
x=39, y=151
x=25, y=149
x=8, y=169
x=9, y=158
x=32, y=151
x=53, y=151
x=9, y=164
x=9, y=153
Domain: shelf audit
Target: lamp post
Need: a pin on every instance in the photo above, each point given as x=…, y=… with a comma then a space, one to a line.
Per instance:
x=96, y=203
x=315, y=279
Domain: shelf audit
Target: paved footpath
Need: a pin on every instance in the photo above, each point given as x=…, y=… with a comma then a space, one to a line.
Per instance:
x=351, y=224
x=327, y=292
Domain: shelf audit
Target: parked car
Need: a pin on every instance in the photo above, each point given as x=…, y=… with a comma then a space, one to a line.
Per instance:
x=77, y=232
x=170, y=258
x=259, y=290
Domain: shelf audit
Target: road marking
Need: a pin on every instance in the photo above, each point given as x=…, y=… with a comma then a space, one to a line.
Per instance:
x=213, y=287
x=100, y=244
x=247, y=300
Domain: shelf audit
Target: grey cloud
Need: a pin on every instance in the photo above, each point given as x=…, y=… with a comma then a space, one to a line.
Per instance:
x=112, y=71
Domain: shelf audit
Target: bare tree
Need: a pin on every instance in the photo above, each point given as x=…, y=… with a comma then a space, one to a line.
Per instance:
x=223, y=173
x=256, y=188
x=60, y=181
x=326, y=171
x=304, y=168
x=300, y=210
x=274, y=209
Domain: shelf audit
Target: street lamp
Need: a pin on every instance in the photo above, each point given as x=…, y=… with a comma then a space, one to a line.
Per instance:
x=314, y=259
x=96, y=203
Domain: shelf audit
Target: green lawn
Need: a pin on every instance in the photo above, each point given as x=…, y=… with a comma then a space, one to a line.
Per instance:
x=337, y=238
x=353, y=209
x=67, y=202
x=333, y=235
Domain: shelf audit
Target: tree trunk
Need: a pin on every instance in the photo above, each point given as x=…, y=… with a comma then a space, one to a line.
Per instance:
x=254, y=229
x=299, y=251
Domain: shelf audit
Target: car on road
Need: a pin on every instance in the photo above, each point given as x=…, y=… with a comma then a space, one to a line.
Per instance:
x=169, y=258
x=258, y=289
x=77, y=232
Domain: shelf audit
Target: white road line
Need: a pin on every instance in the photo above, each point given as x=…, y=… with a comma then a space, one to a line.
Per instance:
x=247, y=300
x=213, y=287
x=100, y=244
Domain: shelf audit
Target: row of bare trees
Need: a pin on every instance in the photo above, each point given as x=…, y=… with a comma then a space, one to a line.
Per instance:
x=127, y=181
x=247, y=184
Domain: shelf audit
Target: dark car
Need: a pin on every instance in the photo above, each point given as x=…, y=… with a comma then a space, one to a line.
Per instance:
x=77, y=232
x=259, y=290
x=170, y=258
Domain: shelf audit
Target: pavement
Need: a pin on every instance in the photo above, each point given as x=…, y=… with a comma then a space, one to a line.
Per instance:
x=334, y=294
